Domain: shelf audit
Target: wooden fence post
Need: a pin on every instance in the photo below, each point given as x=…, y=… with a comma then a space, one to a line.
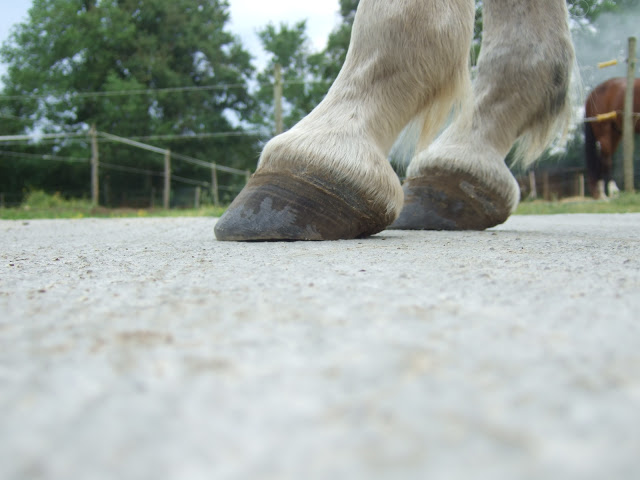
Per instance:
x=581, y=184
x=533, y=191
x=95, y=164
x=196, y=200
x=546, y=193
x=214, y=185
x=167, y=179
x=277, y=98
x=627, y=127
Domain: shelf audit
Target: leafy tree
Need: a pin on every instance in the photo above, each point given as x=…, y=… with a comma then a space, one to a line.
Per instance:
x=110, y=63
x=303, y=87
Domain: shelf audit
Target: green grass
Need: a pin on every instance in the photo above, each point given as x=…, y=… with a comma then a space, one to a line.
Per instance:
x=625, y=203
x=41, y=205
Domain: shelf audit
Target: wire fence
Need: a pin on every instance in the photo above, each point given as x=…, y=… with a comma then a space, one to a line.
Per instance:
x=164, y=187
x=549, y=183
x=176, y=190
x=218, y=184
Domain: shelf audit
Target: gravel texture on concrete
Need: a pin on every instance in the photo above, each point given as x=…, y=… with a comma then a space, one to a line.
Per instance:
x=144, y=349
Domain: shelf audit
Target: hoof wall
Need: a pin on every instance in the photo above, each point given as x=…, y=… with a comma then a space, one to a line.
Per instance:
x=447, y=201
x=275, y=207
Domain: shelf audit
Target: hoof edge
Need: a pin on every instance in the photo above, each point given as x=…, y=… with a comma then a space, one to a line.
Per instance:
x=443, y=200
x=275, y=207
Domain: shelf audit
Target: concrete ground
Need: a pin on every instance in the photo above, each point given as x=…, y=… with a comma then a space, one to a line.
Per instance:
x=144, y=349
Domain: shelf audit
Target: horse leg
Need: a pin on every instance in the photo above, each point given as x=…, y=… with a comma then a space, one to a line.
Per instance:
x=607, y=187
x=461, y=181
x=608, y=144
x=592, y=152
x=598, y=147
x=598, y=189
x=594, y=175
x=612, y=188
x=601, y=193
x=329, y=177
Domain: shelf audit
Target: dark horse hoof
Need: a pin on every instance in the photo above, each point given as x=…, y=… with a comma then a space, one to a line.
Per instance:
x=278, y=206
x=443, y=200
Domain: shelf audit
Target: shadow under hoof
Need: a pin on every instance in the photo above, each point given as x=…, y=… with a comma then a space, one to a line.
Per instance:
x=445, y=200
x=274, y=206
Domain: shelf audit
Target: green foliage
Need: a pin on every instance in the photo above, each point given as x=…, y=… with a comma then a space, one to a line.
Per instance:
x=625, y=203
x=589, y=10
x=68, y=48
x=303, y=87
x=39, y=199
x=38, y=204
x=74, y=63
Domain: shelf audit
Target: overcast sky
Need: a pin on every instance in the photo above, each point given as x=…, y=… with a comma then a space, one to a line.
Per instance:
x=246, y=17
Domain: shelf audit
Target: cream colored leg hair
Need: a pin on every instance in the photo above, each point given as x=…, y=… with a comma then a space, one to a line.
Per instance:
x=520, y=92
x=407, y=58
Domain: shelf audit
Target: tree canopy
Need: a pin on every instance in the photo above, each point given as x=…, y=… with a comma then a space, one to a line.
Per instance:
x=304, y=84
x=70, y=48
x=166, y=69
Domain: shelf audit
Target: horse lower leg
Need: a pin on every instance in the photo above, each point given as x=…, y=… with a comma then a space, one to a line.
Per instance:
x=601, y=193
x=329, y=177
x=461, y=181
x=594, y=187
x=609, y=189
x=612, y=188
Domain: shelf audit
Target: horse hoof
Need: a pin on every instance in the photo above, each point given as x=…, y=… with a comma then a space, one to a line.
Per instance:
x=444, y=200
x=278, y=206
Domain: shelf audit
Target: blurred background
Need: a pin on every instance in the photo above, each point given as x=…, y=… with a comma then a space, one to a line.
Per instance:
x=168, y=103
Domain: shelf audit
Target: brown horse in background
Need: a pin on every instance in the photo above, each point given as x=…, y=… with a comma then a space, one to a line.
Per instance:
x=602, y=137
